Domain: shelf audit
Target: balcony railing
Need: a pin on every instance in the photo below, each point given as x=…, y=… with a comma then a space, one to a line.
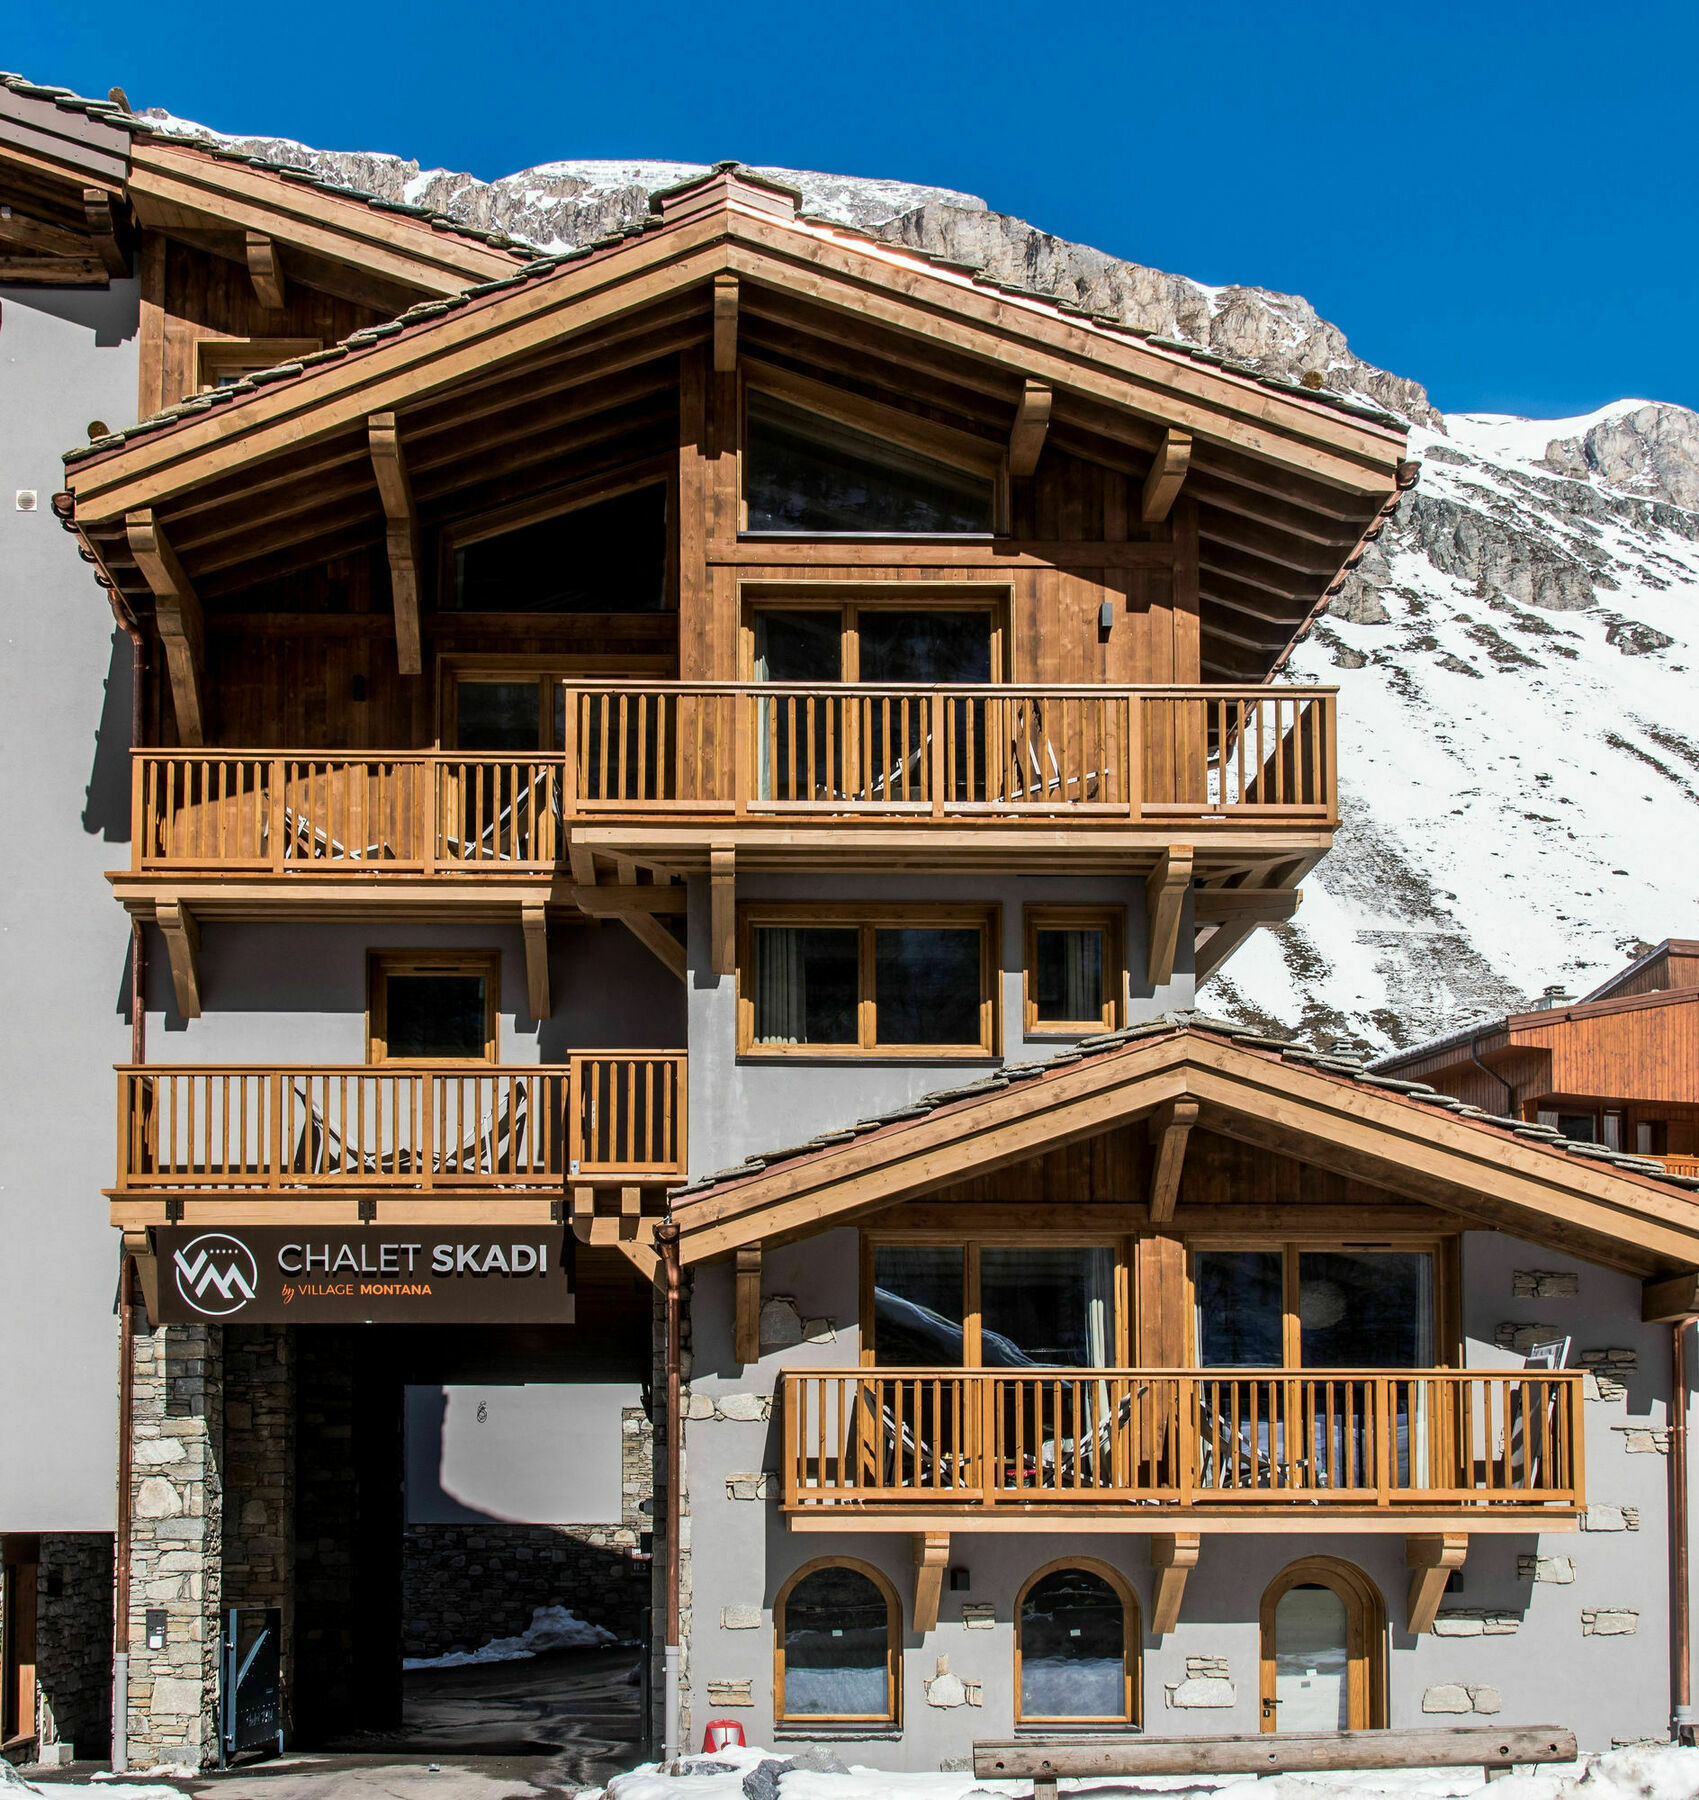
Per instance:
x=402, y=1128
x=915, y=1439
x=1679, y=1165
x=688, y=751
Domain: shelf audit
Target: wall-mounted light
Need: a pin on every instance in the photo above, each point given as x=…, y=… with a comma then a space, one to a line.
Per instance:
x=1106, y=617
x=961, y=1580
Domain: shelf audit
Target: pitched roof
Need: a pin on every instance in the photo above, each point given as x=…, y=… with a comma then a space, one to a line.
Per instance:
x=1611, y=1206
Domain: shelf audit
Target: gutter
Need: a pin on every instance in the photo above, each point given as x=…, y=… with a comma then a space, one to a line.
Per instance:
x=1492, y=1074
x=1682, y=1718
x=666, y=1240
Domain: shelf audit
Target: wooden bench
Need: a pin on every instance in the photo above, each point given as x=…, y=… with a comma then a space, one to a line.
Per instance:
x=1045, y=1762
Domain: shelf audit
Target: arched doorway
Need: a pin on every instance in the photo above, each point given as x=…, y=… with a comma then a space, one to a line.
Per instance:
x=1077, y=1646
x=1323, y=1648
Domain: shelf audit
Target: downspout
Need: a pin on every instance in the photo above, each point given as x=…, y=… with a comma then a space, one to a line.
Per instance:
x=666, y=1237
x=1681, y=1652
x=1493, y=1075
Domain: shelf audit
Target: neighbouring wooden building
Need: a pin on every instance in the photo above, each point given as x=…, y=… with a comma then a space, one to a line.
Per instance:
x=666, y=806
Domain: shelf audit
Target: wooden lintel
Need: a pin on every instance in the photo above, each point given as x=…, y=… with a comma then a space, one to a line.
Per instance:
x=103, y=230
x=1674, y=1297
x=1032, y=422
x=748, y=1333
x=534, y=920
x=183, y=948
x=1170, y=1125
x=722, y=865
x=1162, y=484
x=725, y=324
x=177, y=613
x=1164, y=890
x=931, y=1558
x=1430, y=1556
x=401, y=537
x=656, y=938
x=1173, y=1555
x=265, y=270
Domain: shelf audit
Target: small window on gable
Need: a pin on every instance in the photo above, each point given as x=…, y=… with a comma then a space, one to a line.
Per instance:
x=606, y=556
x=816, y=476
x=222, y=362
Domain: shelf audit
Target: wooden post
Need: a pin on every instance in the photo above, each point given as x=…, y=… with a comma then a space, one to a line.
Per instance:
x=177, y=613
x=937, y=763
x=265, y=270
x=1169, y=1127
x=533, y=918
x=1032, y=422
x=1167, y=472
x=725, y=324
x=931, y=1557
x=1173, y=1555
x=1164, y=891
x=722, y=880
x=395, y=489
x=747, y=1337
x=1431, y=1556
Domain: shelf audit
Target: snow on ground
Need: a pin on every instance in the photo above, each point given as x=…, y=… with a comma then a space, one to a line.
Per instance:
x=551, y=1628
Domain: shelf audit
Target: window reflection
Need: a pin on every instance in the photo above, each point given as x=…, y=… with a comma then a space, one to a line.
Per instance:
x=1047, y=1307
x=1365, y=1310
x=1239, y=1308
x=1073, y=1648
x=917, y=1306
x=836, y=1647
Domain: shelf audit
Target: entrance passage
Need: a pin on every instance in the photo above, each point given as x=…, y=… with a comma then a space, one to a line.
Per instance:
x=1323, y=1649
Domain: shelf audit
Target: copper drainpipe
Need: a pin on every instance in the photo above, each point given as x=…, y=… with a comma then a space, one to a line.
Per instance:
x=1681, y=1653
x=666, y=1239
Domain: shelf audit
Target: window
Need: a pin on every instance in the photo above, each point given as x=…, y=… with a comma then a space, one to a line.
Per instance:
x=1301, y=1308
x=1074, y=971
x=1323, y=1649
x=837, y=1632
x=605, y=555
x=1077, y=1647
x=222, y=362
x=858, y=980
x=919, y=638
x=1000, y=1306
x=811, y=474
x=1651, y=1137
x=426, y=1006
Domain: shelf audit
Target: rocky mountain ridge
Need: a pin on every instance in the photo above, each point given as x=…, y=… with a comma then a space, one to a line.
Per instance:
x=1516, y=655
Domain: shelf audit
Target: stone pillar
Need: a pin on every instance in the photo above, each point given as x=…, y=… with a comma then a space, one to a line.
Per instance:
x=176, y=1544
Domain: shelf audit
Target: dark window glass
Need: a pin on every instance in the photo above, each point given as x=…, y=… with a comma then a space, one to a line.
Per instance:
x=1073, y=1649
x=837, y=1647
x=1583, y=1127
x=1363, y=1310
x=924, y=646
x=1240, y=1308
x=1068, y=982
x=799, y=646
x=807, y=473
x=807, y=983
x=609, y=556
x=434, y=1016
x=927, y=985
x=1049, y=1307
x=917, y=1306
x=497, y=715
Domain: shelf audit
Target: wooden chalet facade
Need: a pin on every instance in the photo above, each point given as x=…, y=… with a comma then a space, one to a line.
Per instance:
x=743, y=683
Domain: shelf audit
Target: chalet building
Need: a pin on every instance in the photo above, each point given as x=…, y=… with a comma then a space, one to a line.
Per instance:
x=641, y=828
x=1619, y=1068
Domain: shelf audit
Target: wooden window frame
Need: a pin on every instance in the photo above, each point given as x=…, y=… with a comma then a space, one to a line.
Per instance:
x=549, y=672
x=971, y=1245
x=867, y=917
x=1112, y=922
x=1365, y=1638
x=242, y=356
x=1447, y=1288
x=849, y=601
x=893, y=1716
x=946, y=444
x=478, y=528
x=381, y=964
x=1131, y=1715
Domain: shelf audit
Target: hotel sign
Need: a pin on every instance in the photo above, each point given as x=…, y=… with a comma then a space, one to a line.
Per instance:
x=281, y=1275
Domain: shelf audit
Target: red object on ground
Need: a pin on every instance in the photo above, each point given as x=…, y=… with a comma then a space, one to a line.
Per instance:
x=722, y=1734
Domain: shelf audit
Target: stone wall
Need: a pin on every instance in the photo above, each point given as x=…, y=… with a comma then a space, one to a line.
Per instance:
x=74, y=1642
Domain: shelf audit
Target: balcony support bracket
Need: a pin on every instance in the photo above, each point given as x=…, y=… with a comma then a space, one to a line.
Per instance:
x=931, y=1559
x=1173, y=1555
x=1430, y=1557
x=655, y=937
x=177, y=614
x=139, y=1246
x=401, y=538
x=534, y=920
x=183, y=947
x=748, y=1335
x=1170, y=1126
x=1164, y=891
x=722, y=863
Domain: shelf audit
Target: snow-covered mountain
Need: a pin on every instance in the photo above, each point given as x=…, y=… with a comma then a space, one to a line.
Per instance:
x=1518, y=656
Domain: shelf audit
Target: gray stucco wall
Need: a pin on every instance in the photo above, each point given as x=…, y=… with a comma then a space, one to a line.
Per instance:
x=67, y=358
x=740, y=1106
x=1608, y=1688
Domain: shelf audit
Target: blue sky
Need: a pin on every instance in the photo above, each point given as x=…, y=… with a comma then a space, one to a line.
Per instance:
x=1496, y=199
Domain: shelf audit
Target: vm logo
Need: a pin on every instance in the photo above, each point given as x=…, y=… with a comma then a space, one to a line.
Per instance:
x=216, y=1274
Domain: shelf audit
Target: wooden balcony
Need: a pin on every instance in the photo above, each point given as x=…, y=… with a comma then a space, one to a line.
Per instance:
x=1679, y=1165
x=1251, y=1450
x=659, y=771
x=257, y=1144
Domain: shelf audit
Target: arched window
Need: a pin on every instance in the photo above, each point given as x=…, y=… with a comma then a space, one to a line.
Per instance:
x=1323, y=1648
x=1077, y=1645
x=837, y=1630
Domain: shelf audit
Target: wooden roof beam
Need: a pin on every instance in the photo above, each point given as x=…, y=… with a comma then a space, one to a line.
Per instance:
x=99, y=210
x=177, y=613
x=401, y=539
x=265, y=270
x=725, y=324
x=1032, y=421
x=1162, y=485
x=1164, y=891
x=1169, y=1128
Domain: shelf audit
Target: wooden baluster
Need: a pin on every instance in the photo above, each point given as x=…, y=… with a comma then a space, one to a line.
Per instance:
x=934, y=762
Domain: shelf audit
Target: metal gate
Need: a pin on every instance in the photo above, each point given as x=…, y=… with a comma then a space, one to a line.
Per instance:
x=250, y=1682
